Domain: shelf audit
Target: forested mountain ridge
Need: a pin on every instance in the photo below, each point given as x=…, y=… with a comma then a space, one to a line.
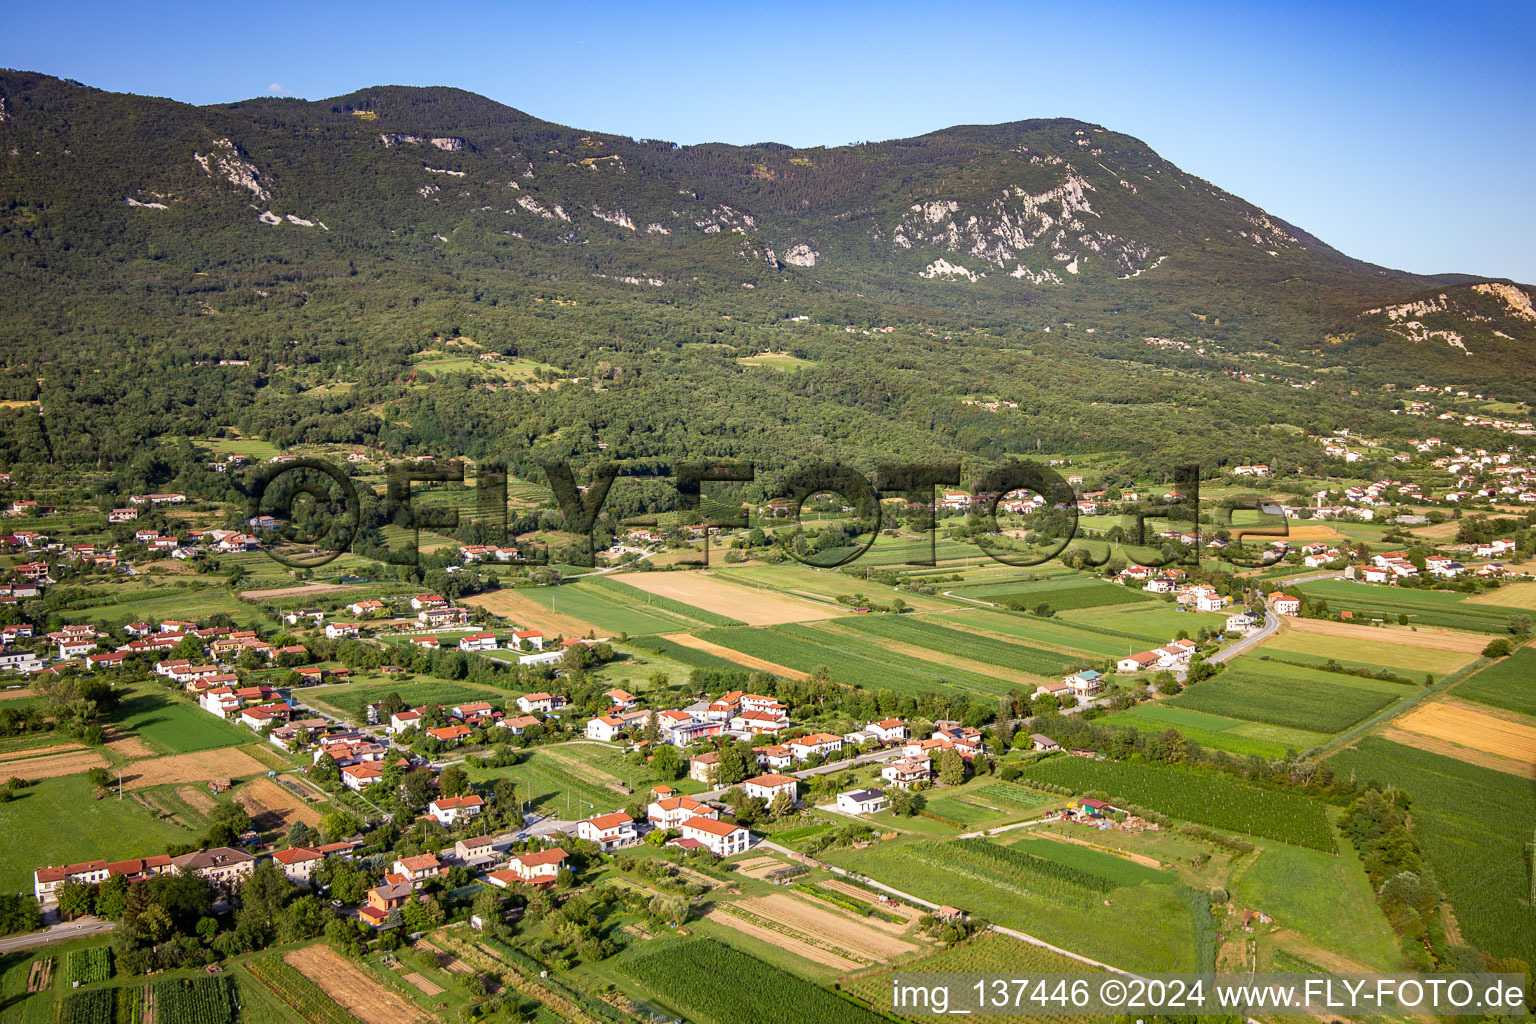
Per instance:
x=334, y=240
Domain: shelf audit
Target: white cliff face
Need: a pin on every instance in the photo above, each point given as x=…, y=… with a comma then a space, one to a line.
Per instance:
x=533, y=206
x=1519, y=302
x=438, y=170
x=1056, y=224
x=802, y=256
x=448, y=145
x=943, y=268
x=617, y=217
x=223, y=162
x=146, y=206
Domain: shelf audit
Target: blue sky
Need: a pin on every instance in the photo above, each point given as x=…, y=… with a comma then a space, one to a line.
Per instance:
x=1398, y=132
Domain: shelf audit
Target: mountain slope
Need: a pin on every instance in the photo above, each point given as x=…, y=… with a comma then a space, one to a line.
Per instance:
x=336, y=239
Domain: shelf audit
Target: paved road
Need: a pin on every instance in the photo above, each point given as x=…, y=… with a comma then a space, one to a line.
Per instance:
x=1270, y=627
x=58, y=933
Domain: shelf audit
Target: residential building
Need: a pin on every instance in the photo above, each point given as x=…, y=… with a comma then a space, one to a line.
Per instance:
x=861, y=801
x=608, y=831
x=719, y=838
x=450, y=809
x=767, y=787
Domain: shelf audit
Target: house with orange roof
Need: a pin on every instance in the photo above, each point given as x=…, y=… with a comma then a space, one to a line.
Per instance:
x=718, y=837
x=608, y=831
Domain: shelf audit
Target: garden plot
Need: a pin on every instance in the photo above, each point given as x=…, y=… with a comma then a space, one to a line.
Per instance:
x=273, y=807
x=350, y=987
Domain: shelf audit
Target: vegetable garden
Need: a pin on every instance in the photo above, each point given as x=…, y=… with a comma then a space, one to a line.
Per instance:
x=193, y=1001
x=87, y=966
x=297, y=992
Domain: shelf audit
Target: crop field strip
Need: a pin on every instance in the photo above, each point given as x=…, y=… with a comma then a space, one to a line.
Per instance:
x=850, y=661
x=625, y=590
x=1216, y=731
x=985, y=953
x=610, y=612
x=1145, y=926
x=1467, y=725
x=1425, y=607
x=1509, y=683
x=1203, y=797
x=972, y=646
x=1292, y=698
x=712, y=982
x=669, y=648
x=1473, y=825
x=1062, y=594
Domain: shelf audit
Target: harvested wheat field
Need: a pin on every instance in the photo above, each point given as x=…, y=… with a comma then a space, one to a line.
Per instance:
x=126, y=746
x=1473, y=727
x=1315, y=531
x=744, y=660
x=16, y=694
x=1445, y=748
x=273, y=808
x=340, y=979
x=195, y=767
x=60, y=761
x=843, y=930
x=1424, y=636
x=751, y=606
x=529, y=614
x=1510, y=595
x=806, y=948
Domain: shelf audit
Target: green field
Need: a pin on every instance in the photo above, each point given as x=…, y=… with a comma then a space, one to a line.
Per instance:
x=60, y=821
x=610, y=611
x=686, y=655
x=1474, y=826
x=1206, y=797
x=1372, y=654
x=1509, y=684
x=1216, y=731
x=1293, y=698
x=1313, y=893
x=155, y=602
x=1058, y=632
x=567, y=781
x=1153, y=623
x=852, y=661
x=714, y=983
x=1423, y=607
x=986, y=953
x=177, y=726
x=1146, y=926
x=1062, y=593
x=352, y=699
x=928, y=632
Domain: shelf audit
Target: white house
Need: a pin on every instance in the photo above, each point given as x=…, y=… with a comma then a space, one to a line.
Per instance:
x=767, y=787
x=892, y=730
x=361, y=776
x=672, y=811
x=450, y=809
x=608, y=831
x=298, y=863
x=478, y=642
x=718, y=837
x=861, y=801
x=605, y=728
